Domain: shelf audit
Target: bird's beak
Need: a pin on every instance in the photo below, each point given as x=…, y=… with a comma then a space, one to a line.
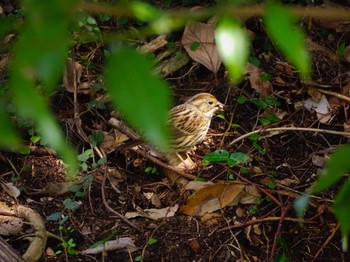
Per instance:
x=220, y=106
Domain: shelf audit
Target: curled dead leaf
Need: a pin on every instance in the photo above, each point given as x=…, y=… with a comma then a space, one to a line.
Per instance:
x=217, y=196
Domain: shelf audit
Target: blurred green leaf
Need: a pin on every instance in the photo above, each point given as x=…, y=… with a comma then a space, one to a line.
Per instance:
x=300, y=205
x=289, y=39
x=139, y=95
x=8, y=136
x=336, y=167
x=342, y=210
x=233, y=46
x=39, y=55
x=144, y=11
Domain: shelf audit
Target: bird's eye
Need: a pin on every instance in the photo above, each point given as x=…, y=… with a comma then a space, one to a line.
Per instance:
x=210, y=102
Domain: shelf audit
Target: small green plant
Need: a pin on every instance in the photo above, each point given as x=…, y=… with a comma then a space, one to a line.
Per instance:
x=254, y=138
x=69, y=244
x=151, y=170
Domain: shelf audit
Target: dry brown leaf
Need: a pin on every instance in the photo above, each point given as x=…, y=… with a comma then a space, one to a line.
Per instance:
x=112, y=140
x=123, y=243
x=263, y=87
x=315, y=47
x=315, y=94
x=207, y=53
x=154, y=45
x=217, y=196
x=153, y=213
x=284, y=67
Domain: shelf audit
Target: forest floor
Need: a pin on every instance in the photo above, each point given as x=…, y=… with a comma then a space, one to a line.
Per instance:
x=284, y=165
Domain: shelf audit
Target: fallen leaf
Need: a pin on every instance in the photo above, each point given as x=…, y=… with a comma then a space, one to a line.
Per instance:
x=154, y=45
x=322, y=108
x=263, y=87
x=217, y=196
x=206, y=52
x=154, y=213
x=123, y=243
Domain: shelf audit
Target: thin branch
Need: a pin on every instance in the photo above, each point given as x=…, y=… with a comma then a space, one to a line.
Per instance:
x=289, y=128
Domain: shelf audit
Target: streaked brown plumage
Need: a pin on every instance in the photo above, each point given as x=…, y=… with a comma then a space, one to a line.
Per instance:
x=190, y=121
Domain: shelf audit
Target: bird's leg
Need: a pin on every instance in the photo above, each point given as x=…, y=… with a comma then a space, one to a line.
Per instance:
x=186, y=163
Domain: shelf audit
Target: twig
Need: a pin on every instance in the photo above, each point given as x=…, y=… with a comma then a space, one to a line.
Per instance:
x=279, y=229
x=289, y=128
x=325, y=243
x=130, y=133
x=162, y=164
x=264, y=220
x=111, y=209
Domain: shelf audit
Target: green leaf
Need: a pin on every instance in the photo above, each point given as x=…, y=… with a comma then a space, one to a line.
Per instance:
x=74, y=188
x=140, y=96
x=273, y=118
x=205, y=162
x=254, y=137
x=152, y=241
x=271, y=101
x=265, y=76
x=54, y=216
x=260, y=103
x=144, y=11
x=39, y=56
x=88, y=153
x=341, y=208
x=217, y=156
x=264, y=121
x=241, y=100
x=70, y=204
x=233, y=46
x=35, y=139
x=238, y=158
x=341, y=50
x=8, y=136
x=255, y=61
x=336, y=167
x=289, y=39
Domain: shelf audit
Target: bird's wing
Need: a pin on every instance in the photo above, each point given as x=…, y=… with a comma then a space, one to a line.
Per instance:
x=185, y=120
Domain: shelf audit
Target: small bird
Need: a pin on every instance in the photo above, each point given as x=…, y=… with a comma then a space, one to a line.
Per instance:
x=190, y=122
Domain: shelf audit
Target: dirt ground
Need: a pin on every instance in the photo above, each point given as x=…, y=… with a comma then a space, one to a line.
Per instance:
x=266, y=230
